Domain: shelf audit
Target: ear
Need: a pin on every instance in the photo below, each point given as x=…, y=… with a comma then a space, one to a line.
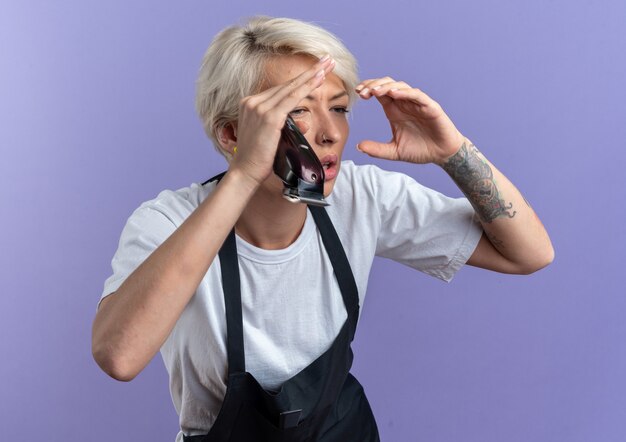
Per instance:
x=227, y=137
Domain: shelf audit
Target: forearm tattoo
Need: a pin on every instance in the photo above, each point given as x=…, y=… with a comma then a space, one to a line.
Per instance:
x=475, y=179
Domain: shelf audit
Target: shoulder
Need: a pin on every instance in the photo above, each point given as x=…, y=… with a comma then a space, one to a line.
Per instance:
x=364, y=192
x=365, y=173
x=174, y=205
x=361, y=184
x=367, y=180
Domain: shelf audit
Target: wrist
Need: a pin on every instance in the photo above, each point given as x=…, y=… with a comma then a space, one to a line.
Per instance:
x=461, y=145
x=243, y=180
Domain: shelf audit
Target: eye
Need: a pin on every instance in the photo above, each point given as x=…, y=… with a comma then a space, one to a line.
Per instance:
x=297, y=112
x=340, y=109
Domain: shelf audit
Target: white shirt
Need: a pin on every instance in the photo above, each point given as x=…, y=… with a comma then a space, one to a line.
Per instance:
x=292, y=306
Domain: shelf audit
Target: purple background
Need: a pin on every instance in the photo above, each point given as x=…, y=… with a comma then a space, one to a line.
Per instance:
x=96, y=115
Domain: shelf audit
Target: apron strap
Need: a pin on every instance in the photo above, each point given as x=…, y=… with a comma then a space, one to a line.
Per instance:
x=341, y=265
x=229, y=265
x=217, y=177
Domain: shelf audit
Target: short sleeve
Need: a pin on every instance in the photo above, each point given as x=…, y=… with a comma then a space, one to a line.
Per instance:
x=423, y=228
x=145, y=230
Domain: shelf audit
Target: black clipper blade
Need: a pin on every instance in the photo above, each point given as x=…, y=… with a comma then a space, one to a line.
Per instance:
x=299, y=168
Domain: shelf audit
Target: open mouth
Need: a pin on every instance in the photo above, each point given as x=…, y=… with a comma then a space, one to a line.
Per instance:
x=330, y=163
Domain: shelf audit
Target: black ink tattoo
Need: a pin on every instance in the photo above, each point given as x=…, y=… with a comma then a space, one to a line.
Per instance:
x=475, y=179
x=498, y=243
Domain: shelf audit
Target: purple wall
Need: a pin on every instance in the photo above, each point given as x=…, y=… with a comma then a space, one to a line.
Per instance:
x=96, y=116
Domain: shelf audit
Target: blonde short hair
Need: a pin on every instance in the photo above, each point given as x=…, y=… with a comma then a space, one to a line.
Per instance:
x=233, y=66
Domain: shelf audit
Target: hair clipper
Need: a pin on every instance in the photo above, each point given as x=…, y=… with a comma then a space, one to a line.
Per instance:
x=299, y=168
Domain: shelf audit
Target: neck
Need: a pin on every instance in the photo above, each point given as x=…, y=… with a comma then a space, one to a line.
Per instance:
x=269, y=221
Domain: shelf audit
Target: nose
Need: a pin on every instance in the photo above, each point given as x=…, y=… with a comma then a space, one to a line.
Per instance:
x=327, y=132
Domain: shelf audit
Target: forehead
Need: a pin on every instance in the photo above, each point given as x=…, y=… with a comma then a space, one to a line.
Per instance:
x=280, y=69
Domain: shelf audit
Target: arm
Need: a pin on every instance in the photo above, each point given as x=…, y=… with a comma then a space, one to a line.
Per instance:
x=514, y=239
x=132, y=324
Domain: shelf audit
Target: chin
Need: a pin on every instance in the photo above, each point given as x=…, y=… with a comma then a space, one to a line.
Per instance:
x=328, y=187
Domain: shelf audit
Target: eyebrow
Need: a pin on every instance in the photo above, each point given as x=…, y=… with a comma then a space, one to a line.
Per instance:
x=334, y=97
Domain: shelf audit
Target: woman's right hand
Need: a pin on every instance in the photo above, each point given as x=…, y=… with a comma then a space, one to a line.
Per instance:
x=262, y=117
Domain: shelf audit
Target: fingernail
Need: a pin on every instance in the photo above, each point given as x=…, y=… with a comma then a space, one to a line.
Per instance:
x=393, y=89
x=358, y=148
x=324, y=58
x=358, y=88
x=376, y=88
x=319, y=73
x=364, y=91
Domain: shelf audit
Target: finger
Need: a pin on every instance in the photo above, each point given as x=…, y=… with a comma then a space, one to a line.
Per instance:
x=362, y=84
x=384, y=100
x=369, y=82
x=382, y=89
x=289, y=94
x=267, y=98
x=413, y=94
x=379, y=88
x=386, y=151
x=369, y=85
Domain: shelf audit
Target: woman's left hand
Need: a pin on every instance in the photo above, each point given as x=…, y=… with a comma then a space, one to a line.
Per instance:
x=421, y=130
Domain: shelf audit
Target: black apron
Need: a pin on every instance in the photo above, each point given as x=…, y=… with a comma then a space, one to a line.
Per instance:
x=323, y=402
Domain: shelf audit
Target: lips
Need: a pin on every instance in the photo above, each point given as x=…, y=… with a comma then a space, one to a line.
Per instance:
x=330, y=164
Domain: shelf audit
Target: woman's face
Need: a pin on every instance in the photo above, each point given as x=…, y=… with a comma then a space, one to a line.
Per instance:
x=321, y=116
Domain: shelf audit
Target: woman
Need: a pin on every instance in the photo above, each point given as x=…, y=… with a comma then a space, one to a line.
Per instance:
x=253, y=300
